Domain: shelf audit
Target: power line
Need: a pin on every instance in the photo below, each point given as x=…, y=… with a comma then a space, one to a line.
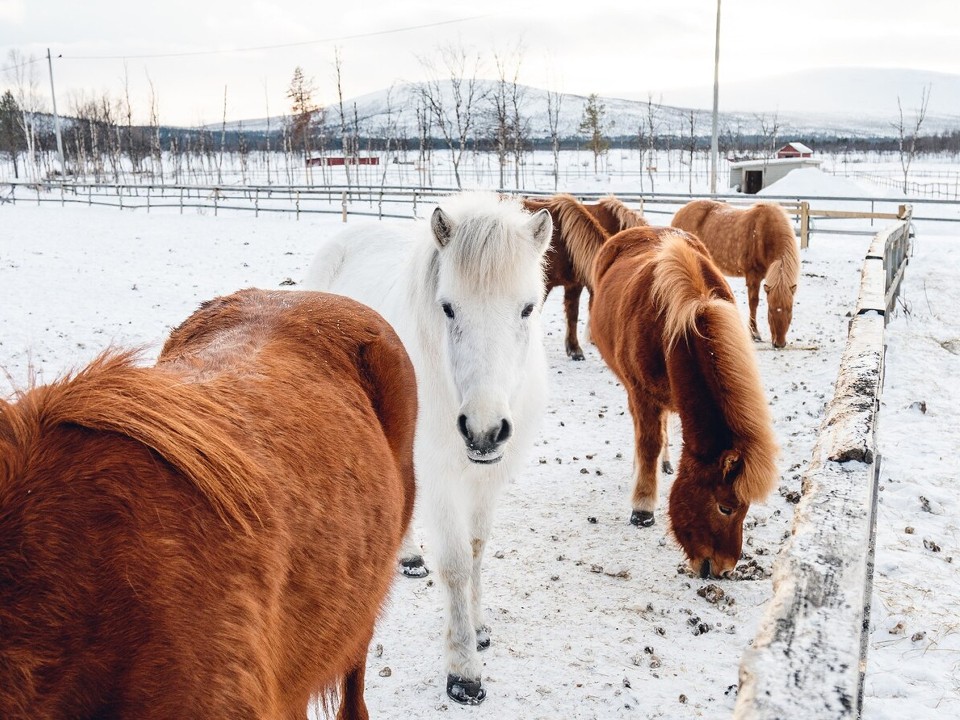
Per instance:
x=22, y=65
x=271, y=47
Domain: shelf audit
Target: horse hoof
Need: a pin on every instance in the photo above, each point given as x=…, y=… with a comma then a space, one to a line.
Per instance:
x=576, y=355
x=414, y=567
x=642, y=518
x=463, y=691
x=483, y=639
x=667, y=467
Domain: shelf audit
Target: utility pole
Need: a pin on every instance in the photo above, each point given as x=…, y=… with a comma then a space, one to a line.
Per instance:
x=56, y=120
x=714, y=143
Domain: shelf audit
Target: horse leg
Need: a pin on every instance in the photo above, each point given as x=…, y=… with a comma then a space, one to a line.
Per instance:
x=571, y=307
x=455, y=566
x=753, y=296
x=665, y=465
x=410, y=557
x=482, y=520
x=352, y=705
x=648, y=427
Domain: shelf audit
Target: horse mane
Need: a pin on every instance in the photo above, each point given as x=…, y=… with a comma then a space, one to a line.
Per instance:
x=580, y=231
x=492, y=223
x=784, y=271
x=627, y=217
x=684, y=297
x=151, y=406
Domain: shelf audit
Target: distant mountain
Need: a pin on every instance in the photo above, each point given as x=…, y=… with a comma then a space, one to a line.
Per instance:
x=837, y=102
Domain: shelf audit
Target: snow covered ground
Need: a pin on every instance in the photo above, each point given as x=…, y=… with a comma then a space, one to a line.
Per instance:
x=591, y=617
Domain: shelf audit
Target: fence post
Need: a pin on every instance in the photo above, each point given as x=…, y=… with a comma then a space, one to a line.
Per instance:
x=181, y=200
x=256, y=203
x=804, y=225
x=343, y=205
x=148, y=199
x=298, y=204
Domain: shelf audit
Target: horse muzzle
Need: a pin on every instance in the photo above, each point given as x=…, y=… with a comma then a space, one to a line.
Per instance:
x=486, y=446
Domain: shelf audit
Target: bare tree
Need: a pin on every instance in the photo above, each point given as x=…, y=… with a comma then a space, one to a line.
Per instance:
x=907, y=139
x=344, y=139
x=156, y=149
x=652, y=128
x=22, y=76
x=769, y=134
x=11, y=134
x=691, y=146
x=554, y=101
x=424, y=125
x=454, y=116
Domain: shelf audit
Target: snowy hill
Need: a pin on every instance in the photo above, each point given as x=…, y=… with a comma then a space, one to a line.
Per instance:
x=842, y=102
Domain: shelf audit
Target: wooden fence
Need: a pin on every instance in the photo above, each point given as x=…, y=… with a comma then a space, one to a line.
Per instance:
x=808, y=658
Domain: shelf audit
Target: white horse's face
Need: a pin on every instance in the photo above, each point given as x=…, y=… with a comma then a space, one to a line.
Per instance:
x=491, y=315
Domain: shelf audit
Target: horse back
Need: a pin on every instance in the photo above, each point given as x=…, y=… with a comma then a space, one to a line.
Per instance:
x=629, y=318
x=134, y=595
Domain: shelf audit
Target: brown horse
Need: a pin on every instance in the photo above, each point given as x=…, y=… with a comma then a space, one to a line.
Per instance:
x=578, y=232
x=753, y=243
x=211, y=537
x=666, y=323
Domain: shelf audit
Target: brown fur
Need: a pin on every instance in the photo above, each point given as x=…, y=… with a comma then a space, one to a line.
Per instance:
x=666, y=323
x=752, y=243
x=579, y=230
x=211, y=537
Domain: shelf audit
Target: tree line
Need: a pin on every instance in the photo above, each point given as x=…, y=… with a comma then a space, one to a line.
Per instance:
x=456, y=112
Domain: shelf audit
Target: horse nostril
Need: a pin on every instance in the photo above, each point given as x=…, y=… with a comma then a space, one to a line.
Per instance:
x=506, y=430
x=462, y=426
x=705, y=568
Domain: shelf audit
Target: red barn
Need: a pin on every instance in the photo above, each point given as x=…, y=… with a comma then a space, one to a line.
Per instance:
x=794, y=150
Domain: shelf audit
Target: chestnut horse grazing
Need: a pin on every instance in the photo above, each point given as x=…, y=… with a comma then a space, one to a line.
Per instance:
x=577, y=236
x=666, y=323
x=211, y=537
x=464, y=292
x=752, y=243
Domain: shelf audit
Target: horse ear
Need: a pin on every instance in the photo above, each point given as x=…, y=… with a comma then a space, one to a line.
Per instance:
x=731, y=465
x=441, y=226
x=541, y=224
x=766, y=288
x=793, y=288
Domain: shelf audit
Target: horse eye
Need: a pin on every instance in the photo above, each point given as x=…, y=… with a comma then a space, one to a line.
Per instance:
x=724, y=510
x=447, y=310
x=527, y=310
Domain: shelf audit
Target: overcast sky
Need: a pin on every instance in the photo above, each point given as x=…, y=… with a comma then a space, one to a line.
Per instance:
x=192, y=51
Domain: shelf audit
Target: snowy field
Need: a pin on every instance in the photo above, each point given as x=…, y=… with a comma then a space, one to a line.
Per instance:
x=591, y=617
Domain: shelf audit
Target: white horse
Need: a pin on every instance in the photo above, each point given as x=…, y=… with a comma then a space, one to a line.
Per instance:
x=464, y=293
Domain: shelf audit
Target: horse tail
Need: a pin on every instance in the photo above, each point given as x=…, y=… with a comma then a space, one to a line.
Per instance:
x=693, y=310
x=160, y=411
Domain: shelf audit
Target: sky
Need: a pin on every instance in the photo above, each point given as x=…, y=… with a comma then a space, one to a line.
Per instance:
x=195, y=58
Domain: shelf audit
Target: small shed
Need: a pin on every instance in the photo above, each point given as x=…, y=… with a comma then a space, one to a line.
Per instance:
x=751, y=176
x=794, y=150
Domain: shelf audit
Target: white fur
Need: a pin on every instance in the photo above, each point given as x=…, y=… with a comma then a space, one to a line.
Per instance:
x=488, y=364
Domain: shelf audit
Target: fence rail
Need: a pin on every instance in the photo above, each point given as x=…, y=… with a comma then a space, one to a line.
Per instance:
x=389, y=201
x=809, y=655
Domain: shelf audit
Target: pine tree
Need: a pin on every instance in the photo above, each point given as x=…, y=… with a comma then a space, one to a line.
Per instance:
x=303, y=110
x=594, y=125
x=12, y=140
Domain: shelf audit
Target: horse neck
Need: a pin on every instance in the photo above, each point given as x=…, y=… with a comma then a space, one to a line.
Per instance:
x=582, y=234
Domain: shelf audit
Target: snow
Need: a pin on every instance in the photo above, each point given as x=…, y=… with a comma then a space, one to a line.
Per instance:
x=590, y=616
